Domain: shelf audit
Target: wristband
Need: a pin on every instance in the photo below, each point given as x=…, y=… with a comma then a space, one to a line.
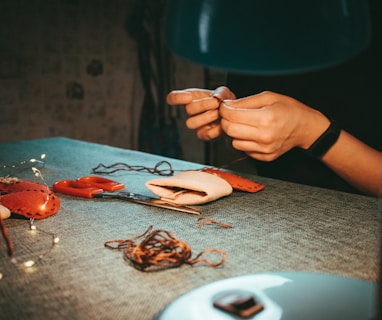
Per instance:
x=325, y=141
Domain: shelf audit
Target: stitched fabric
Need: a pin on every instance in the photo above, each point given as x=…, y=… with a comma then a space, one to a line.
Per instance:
x=190, y=187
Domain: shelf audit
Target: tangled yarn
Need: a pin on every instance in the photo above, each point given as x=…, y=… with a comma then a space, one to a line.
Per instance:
x=160, y=249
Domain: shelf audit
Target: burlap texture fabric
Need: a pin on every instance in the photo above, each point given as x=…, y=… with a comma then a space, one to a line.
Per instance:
x=286, y=227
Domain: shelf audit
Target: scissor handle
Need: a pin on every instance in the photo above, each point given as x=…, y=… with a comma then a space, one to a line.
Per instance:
x=102, y=183
x=76, y=188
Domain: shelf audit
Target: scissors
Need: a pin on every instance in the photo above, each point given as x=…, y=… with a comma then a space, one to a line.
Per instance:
x=99, y=187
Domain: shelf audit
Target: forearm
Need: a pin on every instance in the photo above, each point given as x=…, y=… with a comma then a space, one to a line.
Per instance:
x=357, y=163
x=351, y=159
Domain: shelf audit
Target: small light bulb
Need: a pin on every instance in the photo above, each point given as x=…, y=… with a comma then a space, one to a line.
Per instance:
x=33, y=227
x=56, y=240
x=36, y=172
x=29, y=263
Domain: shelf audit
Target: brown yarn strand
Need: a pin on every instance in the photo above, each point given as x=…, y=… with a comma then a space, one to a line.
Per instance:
x=205, y=221
x=161, y=168
x=6, y=238
x=160, y=249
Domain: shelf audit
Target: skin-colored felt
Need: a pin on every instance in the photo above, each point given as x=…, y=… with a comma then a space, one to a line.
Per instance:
x=190, y=187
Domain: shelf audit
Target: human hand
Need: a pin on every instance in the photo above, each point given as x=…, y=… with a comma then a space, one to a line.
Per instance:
x=202, y=108
x=267, y=125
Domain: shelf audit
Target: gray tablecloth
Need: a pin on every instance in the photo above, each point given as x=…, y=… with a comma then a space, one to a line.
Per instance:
x=286, y=227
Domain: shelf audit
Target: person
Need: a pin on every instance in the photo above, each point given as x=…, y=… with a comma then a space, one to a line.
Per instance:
x=267, y=125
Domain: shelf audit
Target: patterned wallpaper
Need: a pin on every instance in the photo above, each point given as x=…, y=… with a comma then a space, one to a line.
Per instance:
x=69, y=68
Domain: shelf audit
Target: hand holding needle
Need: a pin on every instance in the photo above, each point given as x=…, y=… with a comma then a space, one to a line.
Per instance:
x=202, y=107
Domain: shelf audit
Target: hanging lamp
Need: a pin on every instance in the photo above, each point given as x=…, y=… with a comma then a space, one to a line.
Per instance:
x=267, y=37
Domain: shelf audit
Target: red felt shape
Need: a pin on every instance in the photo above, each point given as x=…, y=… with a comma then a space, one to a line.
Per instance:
x=237, y=182
x=29, y=199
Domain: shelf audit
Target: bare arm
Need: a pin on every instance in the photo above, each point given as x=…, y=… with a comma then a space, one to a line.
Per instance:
x=267, y=125
x=357, y=163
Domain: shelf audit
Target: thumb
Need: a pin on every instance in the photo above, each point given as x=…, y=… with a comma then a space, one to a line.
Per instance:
x=256, y=101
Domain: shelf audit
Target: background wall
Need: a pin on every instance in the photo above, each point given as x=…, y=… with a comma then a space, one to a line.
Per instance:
x=69, y=68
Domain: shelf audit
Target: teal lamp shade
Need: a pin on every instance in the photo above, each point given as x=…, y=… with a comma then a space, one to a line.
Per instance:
x=267, y=37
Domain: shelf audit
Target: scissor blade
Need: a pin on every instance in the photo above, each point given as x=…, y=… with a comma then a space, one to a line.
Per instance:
x=150, y=201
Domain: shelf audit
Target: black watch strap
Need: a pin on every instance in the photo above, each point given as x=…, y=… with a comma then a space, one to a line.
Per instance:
x=325, y=141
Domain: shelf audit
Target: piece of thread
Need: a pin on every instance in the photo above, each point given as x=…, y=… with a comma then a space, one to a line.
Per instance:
x=161, y=168
x=6, y=238
x=120, y=166
x=205, y=221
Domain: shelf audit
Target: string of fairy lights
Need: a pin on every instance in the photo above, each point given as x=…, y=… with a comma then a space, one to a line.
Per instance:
x=31, y=164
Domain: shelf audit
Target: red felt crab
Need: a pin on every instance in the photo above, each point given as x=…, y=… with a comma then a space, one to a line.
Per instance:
x=29, y=199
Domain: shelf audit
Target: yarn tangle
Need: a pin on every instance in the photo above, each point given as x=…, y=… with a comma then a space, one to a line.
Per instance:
x=160, y=249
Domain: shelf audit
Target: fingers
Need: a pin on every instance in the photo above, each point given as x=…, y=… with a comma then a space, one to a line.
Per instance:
x=256, y=118
x=182, y=97
x=250, y=110
x=238, y=130
x=262, y=143
x=178, y=97
x=209, y=132
x=253, y=146
x=257, y=150
x=256, y=101
x=250, y=138
x=202, y=105
x=223, y=93
x=195, y=100
x=202, y=119
x=263, y=125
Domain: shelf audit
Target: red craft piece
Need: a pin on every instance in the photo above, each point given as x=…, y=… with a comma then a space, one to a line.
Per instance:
x=237, y=182
x=29, y=199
